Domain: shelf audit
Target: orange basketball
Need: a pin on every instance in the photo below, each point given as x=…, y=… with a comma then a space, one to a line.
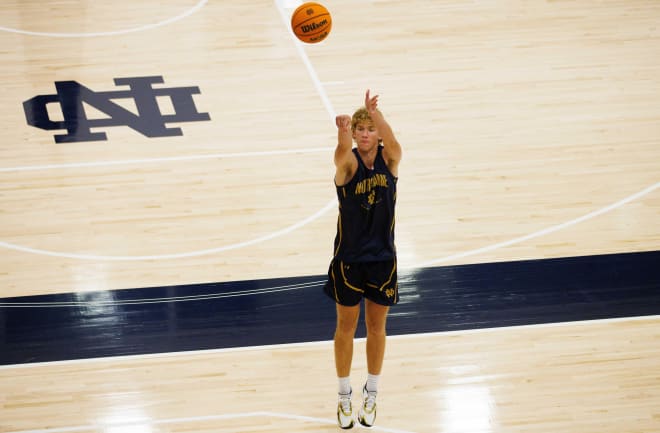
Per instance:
x=311, y=22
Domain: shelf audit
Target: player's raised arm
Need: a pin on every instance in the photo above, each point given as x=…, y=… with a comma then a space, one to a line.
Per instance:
x=345, y=162
x=392, y=149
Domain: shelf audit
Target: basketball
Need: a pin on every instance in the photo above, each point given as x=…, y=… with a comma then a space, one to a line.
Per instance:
x=311, y=22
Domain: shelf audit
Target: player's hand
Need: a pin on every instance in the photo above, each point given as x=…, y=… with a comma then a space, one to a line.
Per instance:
x=343, y=122
x=370, y=102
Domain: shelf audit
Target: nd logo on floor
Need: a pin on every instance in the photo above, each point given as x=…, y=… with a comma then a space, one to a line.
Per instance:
x=149, y=121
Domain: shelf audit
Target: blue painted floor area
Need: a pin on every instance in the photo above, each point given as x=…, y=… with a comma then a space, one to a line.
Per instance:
x=292, y=310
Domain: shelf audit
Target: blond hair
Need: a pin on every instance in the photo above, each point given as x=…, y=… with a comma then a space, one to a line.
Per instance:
x=360, y=115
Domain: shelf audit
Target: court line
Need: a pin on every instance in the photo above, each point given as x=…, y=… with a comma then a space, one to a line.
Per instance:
x=202, y=418
x=272, y=235
x=92, y=303
x=163, y=159
x=543, y=232
x=320, y=212
x=328, y=343
x=185, y=14
x=305, y=59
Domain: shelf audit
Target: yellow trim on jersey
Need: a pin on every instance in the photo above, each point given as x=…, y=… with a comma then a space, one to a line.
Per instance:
x=341, y=264
x=391, y=275
x=339, y=233
x=334, y=282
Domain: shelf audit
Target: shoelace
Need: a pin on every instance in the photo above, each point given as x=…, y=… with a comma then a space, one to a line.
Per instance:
x=370, y=401
x=345, y=402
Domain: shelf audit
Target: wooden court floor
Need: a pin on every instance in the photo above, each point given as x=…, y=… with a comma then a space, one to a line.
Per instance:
x=152, y=144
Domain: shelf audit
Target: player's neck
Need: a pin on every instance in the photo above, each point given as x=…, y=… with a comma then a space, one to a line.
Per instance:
x=369, y=157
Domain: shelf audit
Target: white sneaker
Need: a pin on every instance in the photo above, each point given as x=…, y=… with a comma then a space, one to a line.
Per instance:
x=367, y=413
x=345, y=411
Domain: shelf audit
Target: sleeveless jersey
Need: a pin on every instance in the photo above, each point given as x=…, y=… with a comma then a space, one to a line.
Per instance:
x=365, y=228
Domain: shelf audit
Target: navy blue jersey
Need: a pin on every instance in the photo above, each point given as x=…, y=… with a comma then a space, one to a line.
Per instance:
x=365, y=228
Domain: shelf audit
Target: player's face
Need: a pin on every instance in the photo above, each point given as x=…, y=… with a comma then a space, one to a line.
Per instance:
x=365, y=135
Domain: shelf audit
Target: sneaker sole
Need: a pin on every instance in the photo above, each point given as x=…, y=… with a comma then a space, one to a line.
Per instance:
x=364, y=423
x=346, y=427
x=339, y=421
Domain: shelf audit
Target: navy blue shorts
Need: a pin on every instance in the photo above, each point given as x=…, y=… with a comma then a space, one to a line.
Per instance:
x=348, y=283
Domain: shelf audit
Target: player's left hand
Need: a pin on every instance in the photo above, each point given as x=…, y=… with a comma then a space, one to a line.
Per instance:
x=370, y=102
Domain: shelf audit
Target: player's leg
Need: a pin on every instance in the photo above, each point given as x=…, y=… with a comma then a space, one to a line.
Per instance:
x=375, y=319
x=382, y=292
x=347, y=319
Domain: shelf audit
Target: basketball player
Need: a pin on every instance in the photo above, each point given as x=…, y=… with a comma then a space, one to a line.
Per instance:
x=364, y=262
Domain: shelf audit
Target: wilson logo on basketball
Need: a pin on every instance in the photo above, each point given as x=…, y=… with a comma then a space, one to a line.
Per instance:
x=149, y=120
x=306, y=28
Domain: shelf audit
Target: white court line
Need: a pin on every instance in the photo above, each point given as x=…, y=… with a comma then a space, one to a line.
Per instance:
x=275, y=347
x=162, y=159
x=181, y=16
x=275, y=234
x=320, y=212
x=326, y=343
x=203, y=418
x=234, y=294
x=286, y=20
x=545, y=231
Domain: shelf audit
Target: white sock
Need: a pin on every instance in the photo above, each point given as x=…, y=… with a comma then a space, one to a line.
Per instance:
x=344, y=385
x=372, y=382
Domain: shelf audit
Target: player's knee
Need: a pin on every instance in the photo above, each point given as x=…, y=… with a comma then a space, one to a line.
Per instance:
x=346, y=326
x=375, y=327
